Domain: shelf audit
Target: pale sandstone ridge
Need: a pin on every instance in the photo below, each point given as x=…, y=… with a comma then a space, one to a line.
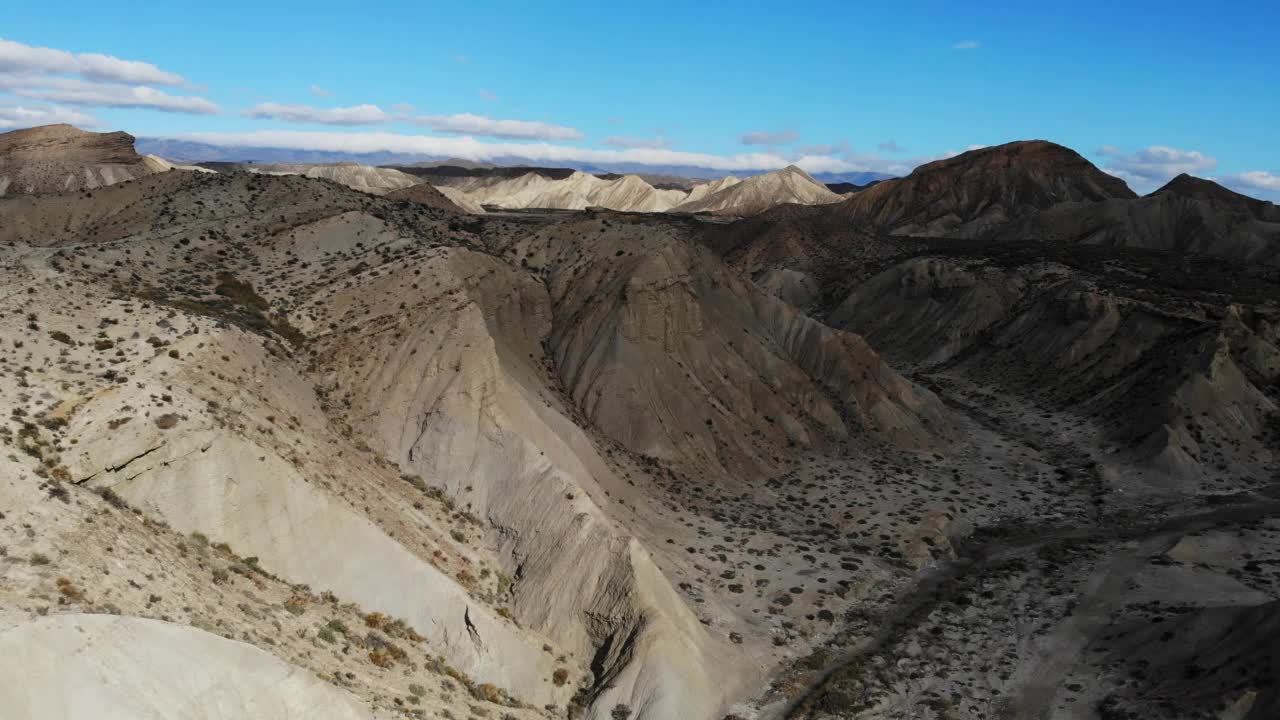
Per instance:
x=630, y=193
x=578, y=191
x=76, y=666
x=458, y=198
x=758, y=193
x=365, y=178
x=703, y=190
x=373, y=180
x=61, y=158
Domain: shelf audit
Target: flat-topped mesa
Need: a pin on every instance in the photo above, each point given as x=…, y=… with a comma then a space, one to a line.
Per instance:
x=111, y=147
x=61, y=158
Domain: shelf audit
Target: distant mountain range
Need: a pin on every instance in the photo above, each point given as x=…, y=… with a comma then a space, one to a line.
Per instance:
x=187, y=151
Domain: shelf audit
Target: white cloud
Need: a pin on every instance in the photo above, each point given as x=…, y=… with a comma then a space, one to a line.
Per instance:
x=765, y=137
x=488, y=96
x=92, y=79
x=20, y=116
x=1253, y=181
x=355, y=115
x=74, y=91
x=92, y=66
x=626, y=141
x=318, y=91
x=967, y=45
x=469, y=124
x=403, y=108
x=1156, y=165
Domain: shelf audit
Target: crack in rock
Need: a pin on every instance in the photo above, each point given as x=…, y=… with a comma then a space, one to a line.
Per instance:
x=121, y=466
x=471, y=629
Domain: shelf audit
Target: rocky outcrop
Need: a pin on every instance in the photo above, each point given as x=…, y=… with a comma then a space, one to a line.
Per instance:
x=61, y=158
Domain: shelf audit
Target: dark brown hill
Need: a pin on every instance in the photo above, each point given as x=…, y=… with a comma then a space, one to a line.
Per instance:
x=971, y=193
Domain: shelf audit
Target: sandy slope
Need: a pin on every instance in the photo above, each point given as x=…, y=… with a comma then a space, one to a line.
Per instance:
x=102, y=666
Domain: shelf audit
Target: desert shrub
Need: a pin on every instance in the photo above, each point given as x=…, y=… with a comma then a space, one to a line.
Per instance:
x=69, y=592
x=381, y=658
x=112, y=498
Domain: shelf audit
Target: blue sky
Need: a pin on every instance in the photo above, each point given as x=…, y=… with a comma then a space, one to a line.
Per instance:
x=1143, y=89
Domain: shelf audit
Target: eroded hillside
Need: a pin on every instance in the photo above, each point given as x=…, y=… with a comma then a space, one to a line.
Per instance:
x=375, y=455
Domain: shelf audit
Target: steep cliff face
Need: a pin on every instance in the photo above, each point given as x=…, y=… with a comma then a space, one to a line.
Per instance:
x=61, y=158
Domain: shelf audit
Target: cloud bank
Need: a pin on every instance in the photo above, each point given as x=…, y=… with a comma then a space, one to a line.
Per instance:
x=1258, y=182
x=469, y=124
x=1155, y=165
x=470, y=148
x=92, y=66
x=21, y=116
x=92, y=80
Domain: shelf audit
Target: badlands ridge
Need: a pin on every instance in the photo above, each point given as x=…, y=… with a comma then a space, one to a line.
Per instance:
x=996, y=439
